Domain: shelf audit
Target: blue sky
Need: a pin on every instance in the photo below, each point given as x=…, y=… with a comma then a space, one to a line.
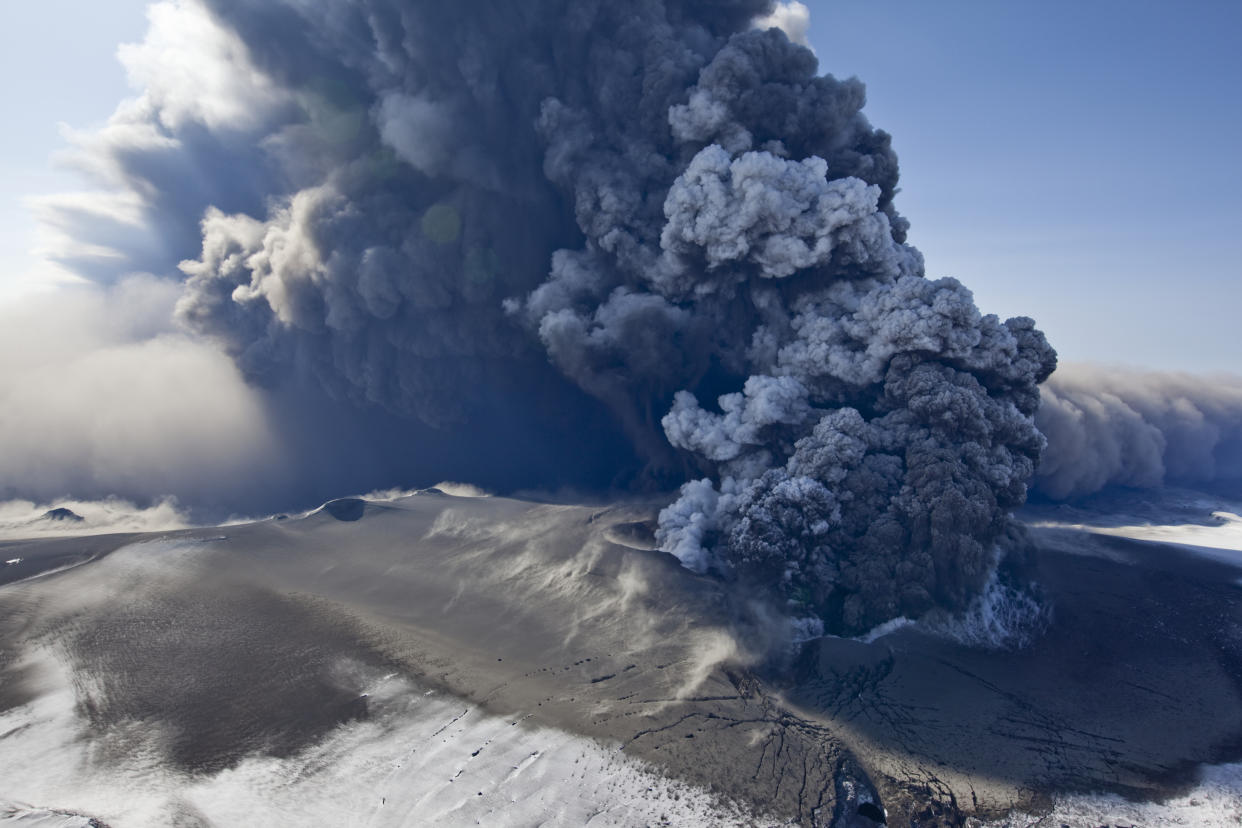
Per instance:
x=58, y=66
x=1072, y=161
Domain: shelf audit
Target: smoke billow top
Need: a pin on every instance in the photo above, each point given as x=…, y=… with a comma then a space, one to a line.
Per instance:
x=647, y=231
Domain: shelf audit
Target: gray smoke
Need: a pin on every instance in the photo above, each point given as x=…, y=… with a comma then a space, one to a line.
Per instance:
x=1116, y=427
x=99, y=398
x=644, y=231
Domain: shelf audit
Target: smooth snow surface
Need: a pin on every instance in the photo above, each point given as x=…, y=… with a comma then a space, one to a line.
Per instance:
x=1222, y=538
x=1216, y=802
x=1209, y=526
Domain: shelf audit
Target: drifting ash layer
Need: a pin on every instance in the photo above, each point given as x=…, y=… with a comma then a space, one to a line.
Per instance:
x=488, y=659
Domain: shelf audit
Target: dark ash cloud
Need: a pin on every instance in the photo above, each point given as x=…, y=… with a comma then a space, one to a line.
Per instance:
x=644, y=234
x=1111, y=427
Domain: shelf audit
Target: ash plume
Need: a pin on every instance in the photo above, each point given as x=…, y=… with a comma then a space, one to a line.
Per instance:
x=646, y=231
x=1117, y=427
x=100, y=398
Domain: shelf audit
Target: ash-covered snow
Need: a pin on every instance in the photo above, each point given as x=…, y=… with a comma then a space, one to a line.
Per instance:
x=1216, y=802
x=422, y=758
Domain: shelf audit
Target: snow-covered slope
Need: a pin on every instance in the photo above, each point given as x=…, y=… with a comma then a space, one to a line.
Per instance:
x=446, y=660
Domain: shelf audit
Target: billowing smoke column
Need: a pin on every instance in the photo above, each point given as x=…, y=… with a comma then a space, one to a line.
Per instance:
x=427, y=205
